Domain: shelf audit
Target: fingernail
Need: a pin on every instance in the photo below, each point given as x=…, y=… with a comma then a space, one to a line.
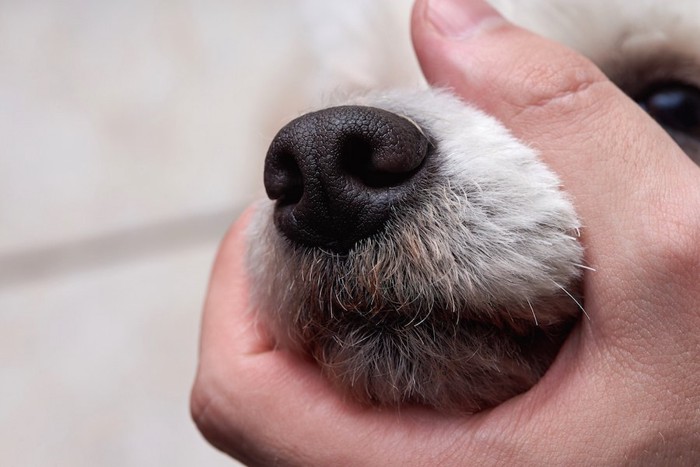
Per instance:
x=460, y=19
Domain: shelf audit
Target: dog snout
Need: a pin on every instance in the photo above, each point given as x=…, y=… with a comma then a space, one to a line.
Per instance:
x=337, y=174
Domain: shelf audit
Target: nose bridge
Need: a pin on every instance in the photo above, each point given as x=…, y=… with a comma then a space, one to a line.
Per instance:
x=319, y=139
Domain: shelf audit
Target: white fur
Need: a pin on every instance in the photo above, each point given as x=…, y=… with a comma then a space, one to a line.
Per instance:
x=507, y=217
x=434, y=308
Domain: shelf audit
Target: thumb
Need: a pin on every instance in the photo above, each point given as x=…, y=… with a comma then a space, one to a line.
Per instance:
x=548, y=95
x=552, y=98
x=468, y=46
x=585, y=128
x=543, y=91
x=635, y=190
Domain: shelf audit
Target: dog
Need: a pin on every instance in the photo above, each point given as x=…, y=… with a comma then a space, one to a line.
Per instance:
x=415, y=249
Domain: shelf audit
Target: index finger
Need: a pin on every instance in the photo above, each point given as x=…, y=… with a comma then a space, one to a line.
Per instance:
x=229, y=324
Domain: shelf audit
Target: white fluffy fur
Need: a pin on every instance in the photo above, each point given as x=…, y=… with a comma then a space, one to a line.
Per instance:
x=509, y=220
x=440, y=307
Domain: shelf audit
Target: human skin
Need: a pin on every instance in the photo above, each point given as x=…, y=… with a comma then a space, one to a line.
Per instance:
x=625, y=388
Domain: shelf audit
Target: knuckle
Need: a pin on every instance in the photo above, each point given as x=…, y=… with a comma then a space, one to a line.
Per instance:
x=547, y=83
x=200, y=403
x=206, y=414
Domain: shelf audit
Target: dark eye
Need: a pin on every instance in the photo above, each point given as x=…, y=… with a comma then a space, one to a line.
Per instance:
x=675, y=106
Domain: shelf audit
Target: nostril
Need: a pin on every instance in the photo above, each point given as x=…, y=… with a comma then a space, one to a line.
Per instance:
x=356, y=153
x=376, y=164
x=283, y=179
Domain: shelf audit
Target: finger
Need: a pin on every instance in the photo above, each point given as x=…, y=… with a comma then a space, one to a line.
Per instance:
x=635, y=190
x=557, y=100
x=230, y=333
x=283, y=412
x=229, y=325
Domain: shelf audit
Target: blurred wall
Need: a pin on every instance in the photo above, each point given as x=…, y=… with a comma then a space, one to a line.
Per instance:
x=132, y=133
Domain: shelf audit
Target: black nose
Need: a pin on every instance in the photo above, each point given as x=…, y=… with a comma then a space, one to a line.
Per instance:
x=336, y=174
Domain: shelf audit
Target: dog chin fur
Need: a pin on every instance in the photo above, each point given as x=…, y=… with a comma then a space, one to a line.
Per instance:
x=465, y=296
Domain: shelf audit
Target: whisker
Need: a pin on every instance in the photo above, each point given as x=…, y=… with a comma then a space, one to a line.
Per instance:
x=533, y=312
x=575, y=301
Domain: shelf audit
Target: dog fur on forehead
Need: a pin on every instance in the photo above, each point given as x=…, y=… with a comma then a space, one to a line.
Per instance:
x=443, y=306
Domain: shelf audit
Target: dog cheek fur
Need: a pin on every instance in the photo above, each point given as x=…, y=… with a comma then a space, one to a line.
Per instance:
x=462, y=301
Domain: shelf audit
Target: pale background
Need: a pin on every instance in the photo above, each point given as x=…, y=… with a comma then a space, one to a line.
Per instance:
x=132, y=133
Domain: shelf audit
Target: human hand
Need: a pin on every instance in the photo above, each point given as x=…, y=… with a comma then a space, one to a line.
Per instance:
x=625, y=386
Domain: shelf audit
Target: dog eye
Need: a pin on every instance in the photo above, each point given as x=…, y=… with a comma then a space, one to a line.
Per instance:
x=675, y=106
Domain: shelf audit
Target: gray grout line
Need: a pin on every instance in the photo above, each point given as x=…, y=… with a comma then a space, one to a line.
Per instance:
x=116, y=247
